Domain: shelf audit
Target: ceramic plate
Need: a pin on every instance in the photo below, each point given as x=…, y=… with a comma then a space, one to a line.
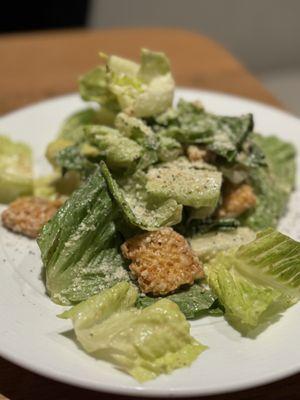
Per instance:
x=32, y=336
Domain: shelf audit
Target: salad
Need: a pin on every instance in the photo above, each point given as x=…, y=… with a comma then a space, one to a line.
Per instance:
x=155, y=214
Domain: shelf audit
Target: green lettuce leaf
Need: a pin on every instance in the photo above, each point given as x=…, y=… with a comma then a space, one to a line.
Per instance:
x=207, y=245
x=190, y=228
x=143, y=90
x=137, y=130
x=94, y=86
x=194, y=302
x=72, y=133
x=144, y=343
x=272, y=184
x=169, y=149
x=191, y=184
x=72, y=159
x=69, y=129
x=118, y=151
x=79, y=245
x=131, y=196
x=257, y=281
x=189, y=123
x=153, y=65
x=99, y=307
x=16, y=172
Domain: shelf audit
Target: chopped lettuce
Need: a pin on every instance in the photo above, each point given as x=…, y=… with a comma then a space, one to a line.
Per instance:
x=69, y=130
x=257, y=281
x=72, y=159
x=230, y=134
x=201, y=213
x=117, y=150
x=189, y=228
x=251, y=155
x=99, y=307
x=189, y=123
x=137, y=130
x=280, y=158
x=153, y=65
x=190, y=184
x=16, y=174
x=272, y=184
x=72, y=133
x=144, y=343
x=194, y=302
x=143, y=90
x=93, y=86
x=79, y=245
x=207, y=245
x=138, y=210
x=54, y=148
x=169, y=149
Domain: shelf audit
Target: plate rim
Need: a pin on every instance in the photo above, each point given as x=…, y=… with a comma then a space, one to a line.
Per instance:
x=53, y=99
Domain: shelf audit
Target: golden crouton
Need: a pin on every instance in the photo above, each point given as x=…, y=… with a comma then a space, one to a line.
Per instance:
x=27, y=215
x=237, y=200
x=162, y=261
x=194, y=153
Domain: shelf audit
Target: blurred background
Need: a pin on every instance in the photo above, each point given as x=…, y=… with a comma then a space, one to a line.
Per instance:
x=263, y=34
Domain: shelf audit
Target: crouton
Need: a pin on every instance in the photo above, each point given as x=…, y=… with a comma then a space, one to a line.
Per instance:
x=194, y=153
x=162, y=261
x=27, y=215
x=237, y=200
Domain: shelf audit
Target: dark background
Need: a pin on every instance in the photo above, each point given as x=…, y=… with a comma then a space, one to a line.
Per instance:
x=30, y=15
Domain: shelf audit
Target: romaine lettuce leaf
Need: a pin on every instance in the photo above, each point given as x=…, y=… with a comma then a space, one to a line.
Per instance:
x=191, y=184
x=72, y=159
x=16, y=172
x=131, y=196
x=94, y=86
x=194, y=302
x=131, y=145
x=272, y=184
x=280, y=158
x=143, y=90
x=144, y=343
x=207, y=245
x=54, y=148
x=99, y=307
x=189, y=228
x=201, y=213
x=79, y=245
x=257, y=281
x=189, y=123
x=71, y=132
x=120, y=65
x=169, y=149
x=153, y=65
x=137, y=130
x=117, y=150
x=69, y=128
x=89, y=116
x=147, y=92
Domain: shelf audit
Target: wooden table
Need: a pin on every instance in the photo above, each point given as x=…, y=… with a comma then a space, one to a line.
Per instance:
x=37, y=66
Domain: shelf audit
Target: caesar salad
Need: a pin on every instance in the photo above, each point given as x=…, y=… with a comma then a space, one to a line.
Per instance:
x=156, y=213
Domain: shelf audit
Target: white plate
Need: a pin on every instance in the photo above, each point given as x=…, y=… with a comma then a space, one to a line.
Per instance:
x=32, y=336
